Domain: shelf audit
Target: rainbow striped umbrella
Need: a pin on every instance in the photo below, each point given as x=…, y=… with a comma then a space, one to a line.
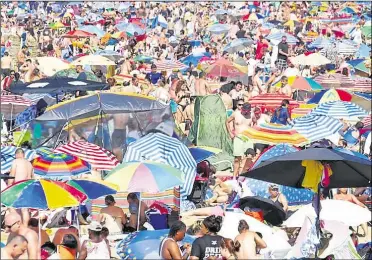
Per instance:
x=94, y=188
x=273, y=134
x=145, y=176
x=60, y=165
x=41, y=194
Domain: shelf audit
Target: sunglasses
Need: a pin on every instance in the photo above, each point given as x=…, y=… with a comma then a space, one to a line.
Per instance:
x=275, y=189
x=9, y=227
x=239, y=105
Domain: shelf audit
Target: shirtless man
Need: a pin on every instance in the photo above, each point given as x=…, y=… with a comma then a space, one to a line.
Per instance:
x=13, y=226
x=6, y=64
x=285, y=89
x=21, y=56
x=15, y=248
x=201, y=86
x=118, y=137
x=21, y=170
x=249, y=241
x=242, y=119
x=28, y=68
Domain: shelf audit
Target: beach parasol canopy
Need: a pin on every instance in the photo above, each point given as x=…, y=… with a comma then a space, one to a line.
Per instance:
x=130, y=28
x=91, y=60
x=201, y=153
x=308, y=84
x=348, y=170
x=50, y=65
x=56, y=85
x=340, y=110
x=218, y=28
x=238, y=45
x=41, y=194
x=145, y=244
x=161, y=148
x=12, y=105
x=159, y=177
x=99, y=158
x=363, y=100
x=71, y=73
x=112, y=55
x=8, y=155
x=77, y=34
x=92, y=30
x=94, y=188
x=316, y=127
x=314, y=59
x=334, y=81
x=167, y=65
x=271, y=101
x=330, y=95
x=278, y=37
x=223, y=68
x=321, y=43
x=60, y=165
x=271, y=134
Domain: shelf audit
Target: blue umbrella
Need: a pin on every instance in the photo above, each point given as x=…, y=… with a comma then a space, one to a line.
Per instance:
x=222, y=12
x=192, y=58
x=130, y=28
x=340, y=110
x=200, y=154
x=195, y=43
x=113, y=55
x=144, y=244
x=355, y=62
x=219, y=28
x=316, y=127
x=363, y=51
x=238, y=45
x=93, y=30
x=8, y=155
x=278, y=37
x=320, y=43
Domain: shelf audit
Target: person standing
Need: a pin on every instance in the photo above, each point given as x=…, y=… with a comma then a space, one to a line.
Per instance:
x=95, y=247
x=16, y=247
x=14, y=226
x=283, y=53
x=6, y=64
x=169, y=247
x=250, y=241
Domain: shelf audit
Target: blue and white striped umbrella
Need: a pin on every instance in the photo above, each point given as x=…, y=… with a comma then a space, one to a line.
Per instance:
x=161, y=148
x=8, y=155
x=340, y=110
x=219, y=28
x=238, y=45
x=278, y=37
x=320, y=43
x=316, y=127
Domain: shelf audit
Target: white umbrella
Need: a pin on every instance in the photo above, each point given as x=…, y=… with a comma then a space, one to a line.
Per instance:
x=315, y=59
x=51, y=65
x=91, y=60
x=336, y=210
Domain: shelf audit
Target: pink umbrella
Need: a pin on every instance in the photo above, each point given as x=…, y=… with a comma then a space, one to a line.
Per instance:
x=77, y=34
x=223, y=68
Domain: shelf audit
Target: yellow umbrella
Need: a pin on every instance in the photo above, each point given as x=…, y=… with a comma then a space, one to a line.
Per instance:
x=57, y=25
x=93, y=60
x=51, y=65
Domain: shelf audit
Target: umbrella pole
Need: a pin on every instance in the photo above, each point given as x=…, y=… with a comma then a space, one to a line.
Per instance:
x=317, y=222
x=39, y=232
x=139, y=212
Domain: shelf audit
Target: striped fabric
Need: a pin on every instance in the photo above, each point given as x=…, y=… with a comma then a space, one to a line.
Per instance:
x=12, y=105
x=321, y=43
x=367, y=121
x=120, y=78
x=334, y=81
x=299, y=112
x=271, y=101
x=278, y=37
x=316, y=127
x=161, y=148
x=99, y=158
x=8, y=155
x=340, y=110
x=361, y=84
x=168, y=65
x=170, y=197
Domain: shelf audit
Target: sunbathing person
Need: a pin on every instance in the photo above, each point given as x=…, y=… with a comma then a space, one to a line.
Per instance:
x=221, y=191
x=112, y=216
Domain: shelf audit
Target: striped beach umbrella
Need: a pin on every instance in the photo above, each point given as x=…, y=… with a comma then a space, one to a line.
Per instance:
x=363, y=100
x=146, y=176
x=320, y=43
x=41, y=194
x=361, y=84
x=12, y=105
x=99, y=158
x=271, y=101
x=161, y=148
x=278, y=37
x=367, y=122
x=94, y=188
x=60, y=165
x=308, y=84
x=273, y=134
x=316, y=127
x=334, y=81
x=340, y=110
x=201, y=153
x=8, y=155
x=168, y=65
x=238, y=45
x=219, y=28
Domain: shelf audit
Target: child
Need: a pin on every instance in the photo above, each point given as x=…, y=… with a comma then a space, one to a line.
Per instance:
x=104, y=234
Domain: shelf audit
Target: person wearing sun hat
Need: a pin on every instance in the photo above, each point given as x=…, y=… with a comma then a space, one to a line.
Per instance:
x=95, y=247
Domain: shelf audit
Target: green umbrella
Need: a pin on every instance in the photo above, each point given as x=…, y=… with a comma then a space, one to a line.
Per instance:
x=366, y=30
x=71, y=73
x=362, y=67
x=143, y=58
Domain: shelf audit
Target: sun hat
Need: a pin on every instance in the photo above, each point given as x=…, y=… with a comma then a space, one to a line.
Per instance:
x=95, y=226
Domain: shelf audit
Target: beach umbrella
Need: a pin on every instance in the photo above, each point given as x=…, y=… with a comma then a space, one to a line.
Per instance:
x=271, y=101
x=112, y=55
x=363, y=100
x=94, y=188
x=273, y=151
x=301, y=111
x=50, y=65
x=161, y=148
x=367, y=122
x=338, y=210
x=8, y=155
x=130, y=28
x=159, y=177
x=145, y=244
x=99, y=158
x=167, y=65
x=56, y=25
x=363, y=51
x=201, y=153
x=278, y=37
x=218, y=28
x=314, y=59
x=334, y=81
x=223, y=68
x=361, y=84
x=361, y=66
x=77, y=34
x=308, y=84
x=348, y=10
x=41, y=194
x=271, y=134
x=346, y=47
x=56, y=85
x=12, y=105
x=321, y=43
x=143, y=58
x=330, y=95
x=192, y=58
x=238, y=45
x=93, y=30
x=340, y=110
x=71, y=73
x=348, y=170
x=91, y=60
x=366, y=30
x=316, y=127
x=60, y=165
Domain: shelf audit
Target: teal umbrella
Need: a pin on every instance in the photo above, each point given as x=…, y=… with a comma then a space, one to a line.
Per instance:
x=71, y=73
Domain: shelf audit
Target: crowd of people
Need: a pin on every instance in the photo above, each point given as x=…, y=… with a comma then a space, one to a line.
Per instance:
x=170, y=33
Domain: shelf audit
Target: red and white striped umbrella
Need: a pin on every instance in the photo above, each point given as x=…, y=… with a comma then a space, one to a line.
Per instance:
x=99, y=158
x=12, y=105
x=362, y=84
x=271, y=101
x=367, y=122
x=168, y=65
x=335, y=81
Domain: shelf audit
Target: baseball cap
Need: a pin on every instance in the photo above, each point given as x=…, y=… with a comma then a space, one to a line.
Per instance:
x=95, y=226
x=224, y=52
x=273, y=186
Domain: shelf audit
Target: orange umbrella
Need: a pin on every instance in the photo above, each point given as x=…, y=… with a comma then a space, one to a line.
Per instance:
x=77, y=34
x=270, y=101
x=223, y=68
